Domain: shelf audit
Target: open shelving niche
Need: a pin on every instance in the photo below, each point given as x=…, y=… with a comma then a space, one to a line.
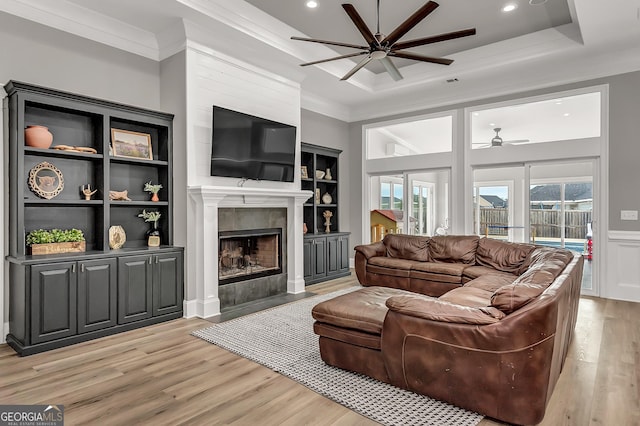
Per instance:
x=100, y=291
x=325, y=254
x=87, y=123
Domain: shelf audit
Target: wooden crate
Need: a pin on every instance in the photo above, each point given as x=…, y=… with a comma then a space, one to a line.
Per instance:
x=55, y=248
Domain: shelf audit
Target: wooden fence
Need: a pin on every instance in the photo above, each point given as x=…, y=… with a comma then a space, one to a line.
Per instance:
x=546, y=223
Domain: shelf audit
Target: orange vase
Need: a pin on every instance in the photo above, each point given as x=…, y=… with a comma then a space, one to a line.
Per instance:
x=155, y=197
x=38, y=137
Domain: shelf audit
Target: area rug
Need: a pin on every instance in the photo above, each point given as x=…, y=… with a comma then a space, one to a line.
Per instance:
x=282, y=339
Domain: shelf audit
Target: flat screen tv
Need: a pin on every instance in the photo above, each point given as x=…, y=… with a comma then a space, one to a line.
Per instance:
x=249, y=147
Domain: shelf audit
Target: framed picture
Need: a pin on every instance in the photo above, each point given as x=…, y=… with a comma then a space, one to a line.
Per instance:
x=317, y=196
x=303, y=172
x=126, y=143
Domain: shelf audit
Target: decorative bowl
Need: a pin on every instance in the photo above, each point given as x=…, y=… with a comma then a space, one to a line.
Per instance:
x=320, y=174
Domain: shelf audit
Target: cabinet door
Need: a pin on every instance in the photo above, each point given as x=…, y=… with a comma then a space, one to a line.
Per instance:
x=167, y=283
x=308, y=249
x=134, y=288
x=343, y=256
x=97, y=293
x=53, y=301
x=320, y=257
x=333, y=254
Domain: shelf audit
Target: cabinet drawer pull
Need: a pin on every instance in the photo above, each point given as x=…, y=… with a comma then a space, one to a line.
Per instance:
x=73, y=268
x=149, y=260
x=157, y=260
x=82, y=268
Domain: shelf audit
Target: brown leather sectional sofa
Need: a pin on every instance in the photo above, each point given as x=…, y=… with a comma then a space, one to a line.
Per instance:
x=479, y=323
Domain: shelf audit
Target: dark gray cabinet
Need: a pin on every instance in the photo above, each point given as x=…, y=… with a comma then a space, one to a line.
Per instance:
x=61, y=299
x=337, y=254
x=58, y=300
x=149, y=286
x=54, y=293
x=134, y=288
x=325, y=257
x=167, y=283
x=97, y=292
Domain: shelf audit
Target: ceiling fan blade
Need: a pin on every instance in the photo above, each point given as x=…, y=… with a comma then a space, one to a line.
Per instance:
x=333, y=43
x=406, y=55
x=411, y=22
x=434, y=39
x=350, y=55
x=359, y=23
x=357, y=68
x=391, y=68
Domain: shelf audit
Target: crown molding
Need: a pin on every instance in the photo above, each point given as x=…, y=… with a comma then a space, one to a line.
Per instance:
x=325, y=107
x=86, y=23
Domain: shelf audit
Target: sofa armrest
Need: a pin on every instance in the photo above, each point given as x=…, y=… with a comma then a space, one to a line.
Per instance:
x=371, y=250
x=429, y=308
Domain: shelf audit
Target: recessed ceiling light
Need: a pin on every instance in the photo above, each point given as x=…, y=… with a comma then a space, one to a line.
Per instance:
x=312, y=4
x=509, y=8
x=475, y=114
x=566, y=114
x=492, y=124
x=537, y=2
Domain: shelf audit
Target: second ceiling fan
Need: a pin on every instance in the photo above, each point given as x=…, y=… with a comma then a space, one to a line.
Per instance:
x=381, y=47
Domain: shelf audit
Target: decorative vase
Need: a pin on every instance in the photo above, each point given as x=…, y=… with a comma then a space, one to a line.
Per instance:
x=304, y=228
x=153, y=236
x=38, y=137
x=327, y=174
x=155, y=197
x=326, y=198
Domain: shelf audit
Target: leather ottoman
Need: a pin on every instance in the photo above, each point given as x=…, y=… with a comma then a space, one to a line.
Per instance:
x=350, y=327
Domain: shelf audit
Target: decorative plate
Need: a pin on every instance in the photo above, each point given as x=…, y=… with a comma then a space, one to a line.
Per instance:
x=46, y=180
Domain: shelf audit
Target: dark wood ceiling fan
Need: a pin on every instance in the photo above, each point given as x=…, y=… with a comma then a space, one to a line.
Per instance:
x=381, y=47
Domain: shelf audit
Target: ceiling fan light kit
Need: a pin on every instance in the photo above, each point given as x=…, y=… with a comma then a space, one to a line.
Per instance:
x=381, y=47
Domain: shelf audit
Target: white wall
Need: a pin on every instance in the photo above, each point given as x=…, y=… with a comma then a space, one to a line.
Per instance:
x=213, y=78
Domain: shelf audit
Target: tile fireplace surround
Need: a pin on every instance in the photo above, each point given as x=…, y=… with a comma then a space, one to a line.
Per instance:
x=202, y=246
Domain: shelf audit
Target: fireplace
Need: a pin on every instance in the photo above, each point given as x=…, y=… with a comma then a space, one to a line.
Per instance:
x=249, y=254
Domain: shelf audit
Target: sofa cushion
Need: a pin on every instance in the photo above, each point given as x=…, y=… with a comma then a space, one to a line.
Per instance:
x=408, y=247
x=426, y=307
x=501, y=255
x=453, y=269
x=476, y=271
x=468, y=296
x=453, y=248
x=362, y=310
x=547, y=265
x=390, y=266
x=491, y=282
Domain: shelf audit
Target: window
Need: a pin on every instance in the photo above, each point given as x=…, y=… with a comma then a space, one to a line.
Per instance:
x=548, y=120
x=421, y=136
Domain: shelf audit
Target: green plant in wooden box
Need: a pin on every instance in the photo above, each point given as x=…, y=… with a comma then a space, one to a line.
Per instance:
x=56, y=241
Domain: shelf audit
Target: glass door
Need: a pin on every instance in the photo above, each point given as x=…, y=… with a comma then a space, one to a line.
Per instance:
x=498, y=203
x=428, y=211
x=415, y=203
x=561, y=210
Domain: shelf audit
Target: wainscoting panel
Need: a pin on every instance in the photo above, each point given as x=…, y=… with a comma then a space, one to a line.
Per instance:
x=623, y=266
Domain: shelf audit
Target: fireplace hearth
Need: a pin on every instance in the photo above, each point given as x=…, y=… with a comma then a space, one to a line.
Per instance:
x=249, y=254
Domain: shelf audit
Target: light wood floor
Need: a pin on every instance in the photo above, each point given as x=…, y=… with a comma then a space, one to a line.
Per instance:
x=161, y=375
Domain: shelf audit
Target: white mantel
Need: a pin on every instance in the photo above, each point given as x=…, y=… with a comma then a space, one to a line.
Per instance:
x=203, y=242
